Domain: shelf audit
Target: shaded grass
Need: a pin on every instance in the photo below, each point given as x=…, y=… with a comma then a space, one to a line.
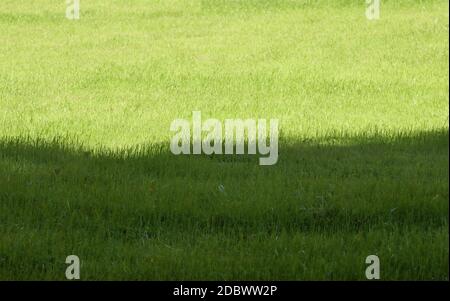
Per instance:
x=159, y=216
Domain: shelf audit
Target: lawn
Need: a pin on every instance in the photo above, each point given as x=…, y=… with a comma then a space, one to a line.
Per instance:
x=86, y=169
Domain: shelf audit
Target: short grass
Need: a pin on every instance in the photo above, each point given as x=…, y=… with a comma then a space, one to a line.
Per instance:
x=85, y=166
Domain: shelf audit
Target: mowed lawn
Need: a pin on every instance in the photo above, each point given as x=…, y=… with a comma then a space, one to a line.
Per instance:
x=86, y=169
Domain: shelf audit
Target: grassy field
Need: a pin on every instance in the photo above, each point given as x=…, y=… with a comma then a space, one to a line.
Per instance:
x=85, y=165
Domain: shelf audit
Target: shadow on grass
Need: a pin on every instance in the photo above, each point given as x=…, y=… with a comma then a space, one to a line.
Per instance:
x=314, y=186
x=336, y=186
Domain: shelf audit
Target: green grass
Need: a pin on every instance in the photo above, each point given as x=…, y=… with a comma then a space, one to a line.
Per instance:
x=85, y=166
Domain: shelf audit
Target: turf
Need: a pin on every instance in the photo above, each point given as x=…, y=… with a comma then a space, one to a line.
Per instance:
x=85, y=165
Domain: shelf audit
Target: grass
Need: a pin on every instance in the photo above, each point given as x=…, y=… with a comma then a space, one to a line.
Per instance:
x=85, y=166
